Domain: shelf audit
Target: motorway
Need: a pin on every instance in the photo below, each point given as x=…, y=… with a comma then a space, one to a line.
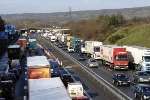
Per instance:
x=92, y=87
x=106, y=74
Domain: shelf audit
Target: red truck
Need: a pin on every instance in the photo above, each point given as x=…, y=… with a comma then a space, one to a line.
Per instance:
x=114, y=56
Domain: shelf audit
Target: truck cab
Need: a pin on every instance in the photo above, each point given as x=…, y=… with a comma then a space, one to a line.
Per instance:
x=120, y=60
x=144, y=66
x=96, y=53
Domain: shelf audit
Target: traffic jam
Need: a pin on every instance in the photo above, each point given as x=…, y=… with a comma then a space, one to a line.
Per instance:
x=31, y=72
x=130, y=65
x=41, y=75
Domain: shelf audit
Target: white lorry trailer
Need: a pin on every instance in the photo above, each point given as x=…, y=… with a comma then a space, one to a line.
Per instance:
x=92, y=48
x=138, y=56
x=47, y=89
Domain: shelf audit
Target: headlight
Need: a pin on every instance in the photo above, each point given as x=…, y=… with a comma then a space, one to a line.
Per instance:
x=119, y=81
x=141, y=79
x=146, y=97
x=91, y=64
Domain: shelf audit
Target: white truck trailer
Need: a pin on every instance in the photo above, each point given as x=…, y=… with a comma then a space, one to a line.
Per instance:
x=92, y=48
x=47, y=89
x=138, y=55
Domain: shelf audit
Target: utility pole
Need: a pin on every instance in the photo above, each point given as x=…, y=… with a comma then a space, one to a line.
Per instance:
x=70, y=14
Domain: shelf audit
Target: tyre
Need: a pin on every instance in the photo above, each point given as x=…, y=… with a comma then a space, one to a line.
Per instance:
x=113, y=81
x=117, y=83
x=135, y=95
x=142, y=98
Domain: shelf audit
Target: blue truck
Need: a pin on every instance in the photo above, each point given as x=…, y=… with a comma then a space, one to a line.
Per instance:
x=76, y=44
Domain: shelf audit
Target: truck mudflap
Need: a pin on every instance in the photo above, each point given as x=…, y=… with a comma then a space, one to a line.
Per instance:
x=80, y=98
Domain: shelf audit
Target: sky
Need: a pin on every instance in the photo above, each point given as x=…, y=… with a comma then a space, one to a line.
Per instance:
x=48, y=6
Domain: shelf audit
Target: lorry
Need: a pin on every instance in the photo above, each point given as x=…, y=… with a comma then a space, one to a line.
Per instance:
x=14, y=52
x=138, y=56
x=92, y=49
x=22, y=42
x=32, y=44
x=47, y=89
x=114, y=56
x=68, y=43
x=62, y=38
x=75, y=43
x=83, y=47
x=69, y=38
x=38, y=67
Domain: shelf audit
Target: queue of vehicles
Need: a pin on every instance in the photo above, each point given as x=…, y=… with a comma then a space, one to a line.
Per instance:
x=45, y=75
x=116, y=57
x=48, y=74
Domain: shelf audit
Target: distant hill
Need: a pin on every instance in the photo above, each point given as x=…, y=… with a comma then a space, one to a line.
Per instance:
x=61, y=17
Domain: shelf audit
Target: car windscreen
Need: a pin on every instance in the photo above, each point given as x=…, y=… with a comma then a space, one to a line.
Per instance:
x=54, y=64
x=142, y=74
x=68, y=78
x=122, y=76
x=146, y=89
x=147, y=58
x=3, y=67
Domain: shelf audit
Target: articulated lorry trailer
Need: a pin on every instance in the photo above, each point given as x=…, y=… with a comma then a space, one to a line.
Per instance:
x=114, y=56
x=38, y=67
x=139, y=57
x=92, y=48
x=47, y=89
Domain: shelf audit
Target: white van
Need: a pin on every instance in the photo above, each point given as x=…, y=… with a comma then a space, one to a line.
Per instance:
x=75, y=90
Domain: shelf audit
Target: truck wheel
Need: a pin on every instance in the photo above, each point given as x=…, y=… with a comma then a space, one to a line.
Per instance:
x=142, y=98
x=113, y=82
x=135, y=95
x=117, y=83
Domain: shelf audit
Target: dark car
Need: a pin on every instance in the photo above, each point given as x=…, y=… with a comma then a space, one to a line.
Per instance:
x=142, y=92
x=82, y=57
x=60, y=46
x=65, y=76
x=54, y=68
x=121, y=79
x=141, y=76
x=9, y=77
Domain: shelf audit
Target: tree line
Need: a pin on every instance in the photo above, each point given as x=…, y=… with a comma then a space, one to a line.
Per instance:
x=101, y=27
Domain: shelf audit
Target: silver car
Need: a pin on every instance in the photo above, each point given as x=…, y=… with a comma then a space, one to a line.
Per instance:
x=92, y=63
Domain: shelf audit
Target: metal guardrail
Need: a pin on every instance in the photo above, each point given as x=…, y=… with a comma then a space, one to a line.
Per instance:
x=119, y=94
